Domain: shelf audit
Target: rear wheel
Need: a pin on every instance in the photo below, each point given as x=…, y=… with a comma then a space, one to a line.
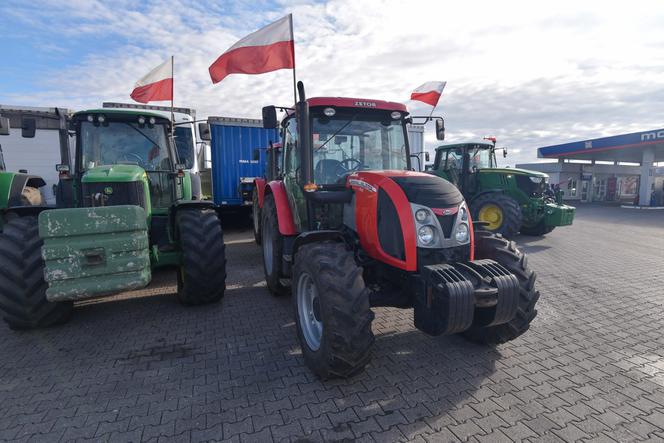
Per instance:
x=332, y=310
x=500, y=213
x=537, y=230
x=505, y=252
x=202, y=274
x=256, y=216
x=22, y=287
x=273, y=247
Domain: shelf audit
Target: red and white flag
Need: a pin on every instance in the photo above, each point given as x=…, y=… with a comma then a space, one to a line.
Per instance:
x=266, y=50
x=429, y=93
x=157, y=85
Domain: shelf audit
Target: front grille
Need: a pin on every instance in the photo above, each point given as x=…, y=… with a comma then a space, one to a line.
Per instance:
x=390, y=233
x=447, y=223
x=114, y=194
x=426, y=256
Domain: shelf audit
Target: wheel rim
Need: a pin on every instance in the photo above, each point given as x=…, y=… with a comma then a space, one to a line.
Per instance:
x=493, y=215
x=308, y=309
x=267, y=249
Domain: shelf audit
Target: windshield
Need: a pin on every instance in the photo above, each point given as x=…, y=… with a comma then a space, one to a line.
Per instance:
x=351, y=142
x=184, y=143
x=481, y=158
x=124, y=143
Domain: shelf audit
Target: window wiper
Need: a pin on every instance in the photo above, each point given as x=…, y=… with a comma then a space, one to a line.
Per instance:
x=143, y=134
x=337, y=132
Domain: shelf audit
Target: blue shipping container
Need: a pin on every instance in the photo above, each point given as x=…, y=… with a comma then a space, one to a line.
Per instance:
x=234, y=166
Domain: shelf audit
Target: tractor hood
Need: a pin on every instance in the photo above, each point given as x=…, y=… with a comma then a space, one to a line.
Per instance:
x=114, y=173
x=518, y=171
x=420, y=188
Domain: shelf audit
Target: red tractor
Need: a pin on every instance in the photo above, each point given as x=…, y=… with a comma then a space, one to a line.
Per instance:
x=347, y=226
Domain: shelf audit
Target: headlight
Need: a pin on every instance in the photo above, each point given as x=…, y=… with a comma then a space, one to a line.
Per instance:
x=546, y=179
x=90, y=118
x=461, y=234
x=464, y=213
x=396, y=115
x=426, y=235
x=329, y=112
x=152, y=121
x=421, y=215
x=535, y=179
x=101, y=118
x=141, y=120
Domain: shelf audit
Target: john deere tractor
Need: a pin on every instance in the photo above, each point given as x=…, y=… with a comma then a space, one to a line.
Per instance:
x=123, y=217
x=506, y=200
x=348, y=226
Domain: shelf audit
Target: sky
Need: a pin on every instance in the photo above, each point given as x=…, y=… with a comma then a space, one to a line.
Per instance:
x=530, y=73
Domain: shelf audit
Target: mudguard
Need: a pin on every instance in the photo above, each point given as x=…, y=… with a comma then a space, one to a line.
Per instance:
x=260, y=184
x=284, y=213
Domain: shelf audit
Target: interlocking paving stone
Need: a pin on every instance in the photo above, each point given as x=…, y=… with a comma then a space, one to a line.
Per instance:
x=140, y=367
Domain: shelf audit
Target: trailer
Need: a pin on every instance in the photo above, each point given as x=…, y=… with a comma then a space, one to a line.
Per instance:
x=238, y=153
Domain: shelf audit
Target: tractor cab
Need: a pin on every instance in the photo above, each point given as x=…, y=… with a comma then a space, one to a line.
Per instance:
x=126, y=157
x=460, y=163
x=347, y=226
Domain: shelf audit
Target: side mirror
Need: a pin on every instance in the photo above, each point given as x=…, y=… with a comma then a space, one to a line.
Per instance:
x=270, y=117
x=427, y=157
x=204, y=131
x=4, y=125
x=62, y=168
x=440, y=129
x=28, y=127
x=256, y=154
x=504, y=152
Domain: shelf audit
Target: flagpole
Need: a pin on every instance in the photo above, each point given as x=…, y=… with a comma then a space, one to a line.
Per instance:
x=172, y=95
x=290, y=20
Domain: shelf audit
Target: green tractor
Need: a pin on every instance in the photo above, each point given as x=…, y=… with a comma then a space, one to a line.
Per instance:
x=120, y=214
x=16, y=188
x=506, y=200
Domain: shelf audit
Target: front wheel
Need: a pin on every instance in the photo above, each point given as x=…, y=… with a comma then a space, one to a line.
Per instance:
x=22, y=287
x=202, y=273
x=499, y=213
x=332, y=310
x=505, y=252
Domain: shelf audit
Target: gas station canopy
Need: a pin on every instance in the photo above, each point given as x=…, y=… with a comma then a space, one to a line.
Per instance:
x=617, y=148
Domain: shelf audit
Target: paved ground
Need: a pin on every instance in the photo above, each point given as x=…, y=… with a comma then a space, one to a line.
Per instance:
x=145, y=368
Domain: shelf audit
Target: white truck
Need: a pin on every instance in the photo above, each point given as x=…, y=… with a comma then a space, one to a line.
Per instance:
x=39, y=152
x=191, y=148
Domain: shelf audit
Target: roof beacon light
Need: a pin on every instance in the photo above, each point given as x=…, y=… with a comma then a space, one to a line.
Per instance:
x=329, y=112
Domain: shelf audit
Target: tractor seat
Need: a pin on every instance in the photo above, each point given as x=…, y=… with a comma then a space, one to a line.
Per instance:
x=326, y=171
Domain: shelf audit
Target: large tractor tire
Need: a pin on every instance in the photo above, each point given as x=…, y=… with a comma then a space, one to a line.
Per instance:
x=202, y=274
x=505, y=252
x=537, y=230
x=256, y=216
x=332, y=311
x=273, y=248
x=500, y=212
x=22, y=287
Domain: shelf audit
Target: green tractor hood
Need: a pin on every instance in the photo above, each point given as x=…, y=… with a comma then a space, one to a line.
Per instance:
x=114, y=173
x=518, y=171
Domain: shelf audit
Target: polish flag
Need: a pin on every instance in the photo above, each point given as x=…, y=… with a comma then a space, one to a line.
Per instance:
x=428, y=93
x=265, y=50
x=156, y=86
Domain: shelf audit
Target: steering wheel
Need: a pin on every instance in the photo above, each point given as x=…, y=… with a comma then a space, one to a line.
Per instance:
x=348, y=165
x=125, y=155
